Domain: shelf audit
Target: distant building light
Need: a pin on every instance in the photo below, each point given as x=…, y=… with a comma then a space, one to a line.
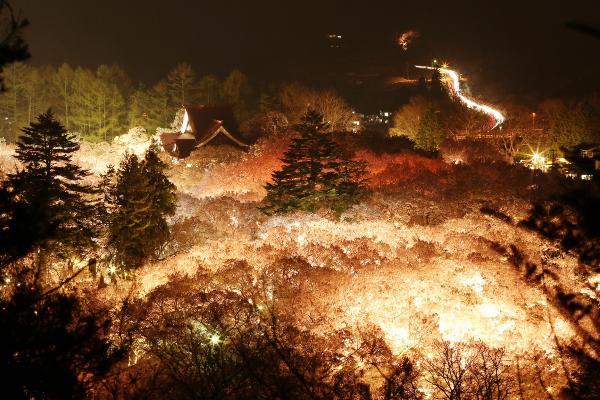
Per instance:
x=586, y=177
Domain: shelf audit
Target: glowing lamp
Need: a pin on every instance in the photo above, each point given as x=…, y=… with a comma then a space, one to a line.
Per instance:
x=215, y=339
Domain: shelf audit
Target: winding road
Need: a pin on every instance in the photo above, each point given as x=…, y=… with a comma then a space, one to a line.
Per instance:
x=496, y=116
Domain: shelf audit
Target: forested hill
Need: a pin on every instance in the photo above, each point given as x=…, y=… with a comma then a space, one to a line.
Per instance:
x=100, y=104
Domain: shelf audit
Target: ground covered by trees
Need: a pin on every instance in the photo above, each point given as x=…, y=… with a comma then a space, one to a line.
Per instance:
x=319, y=264
x=429, y=276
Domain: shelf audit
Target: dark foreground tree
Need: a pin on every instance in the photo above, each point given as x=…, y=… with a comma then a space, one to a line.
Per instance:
x=45, y=205
x=143, y=197
x=52, y=348
x=316, y=172
x=12, y=46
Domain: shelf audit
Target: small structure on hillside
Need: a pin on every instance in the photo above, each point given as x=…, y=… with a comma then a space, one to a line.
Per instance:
x=590, y=151
x=202, y=124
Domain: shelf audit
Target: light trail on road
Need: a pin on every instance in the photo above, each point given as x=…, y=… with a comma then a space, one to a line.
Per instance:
x=496, y=115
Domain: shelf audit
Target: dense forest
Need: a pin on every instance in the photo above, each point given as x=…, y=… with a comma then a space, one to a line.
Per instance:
x=100, y=104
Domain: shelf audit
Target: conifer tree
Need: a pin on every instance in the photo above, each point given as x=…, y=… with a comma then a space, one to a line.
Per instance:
x=141, y=199
x=436, y=85
x=315, y=173
x=52, y=348
x=162, y=196
x=130, y=219
x=46, y=205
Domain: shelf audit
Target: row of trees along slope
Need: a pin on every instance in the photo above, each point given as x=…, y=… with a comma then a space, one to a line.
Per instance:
x=100, y=104
x=103, y=103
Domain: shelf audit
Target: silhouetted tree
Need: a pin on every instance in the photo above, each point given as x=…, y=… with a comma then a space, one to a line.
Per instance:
x=436, y=86
x=45, y=204
x=52, y=348
x=205, y=341
x=12, y=46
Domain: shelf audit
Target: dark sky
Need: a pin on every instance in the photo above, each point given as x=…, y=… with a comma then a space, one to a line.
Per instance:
x=505, y=46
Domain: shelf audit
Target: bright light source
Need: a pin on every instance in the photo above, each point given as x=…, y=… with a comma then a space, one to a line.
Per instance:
x=537, y=160
x=215, y=339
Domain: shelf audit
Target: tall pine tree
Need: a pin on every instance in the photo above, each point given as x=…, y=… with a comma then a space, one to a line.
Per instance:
x=162, y=196
x=316, y=172
x=142, y=198
x=45, y=204
x=130, y=219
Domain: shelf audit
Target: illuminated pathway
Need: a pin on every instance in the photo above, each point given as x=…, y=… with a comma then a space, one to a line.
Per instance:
x=496, y=115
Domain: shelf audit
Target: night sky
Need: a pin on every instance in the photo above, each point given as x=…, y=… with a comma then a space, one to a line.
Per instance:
x=505, y=47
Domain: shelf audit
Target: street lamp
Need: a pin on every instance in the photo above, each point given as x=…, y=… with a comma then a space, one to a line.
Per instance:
x=532, y=120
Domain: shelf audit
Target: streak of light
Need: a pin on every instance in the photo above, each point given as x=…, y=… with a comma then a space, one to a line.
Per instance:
x=496, y=115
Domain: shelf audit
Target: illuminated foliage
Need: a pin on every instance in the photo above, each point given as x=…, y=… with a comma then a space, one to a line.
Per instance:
x=296, y=100
x=224, y=335
x=431, y=133
x=180, y=80
x=150, y=108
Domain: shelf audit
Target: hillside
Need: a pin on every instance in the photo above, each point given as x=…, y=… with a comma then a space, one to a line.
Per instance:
x=434, y=254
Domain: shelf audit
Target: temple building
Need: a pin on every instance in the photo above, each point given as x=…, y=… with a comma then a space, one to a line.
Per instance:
x=202, y=124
